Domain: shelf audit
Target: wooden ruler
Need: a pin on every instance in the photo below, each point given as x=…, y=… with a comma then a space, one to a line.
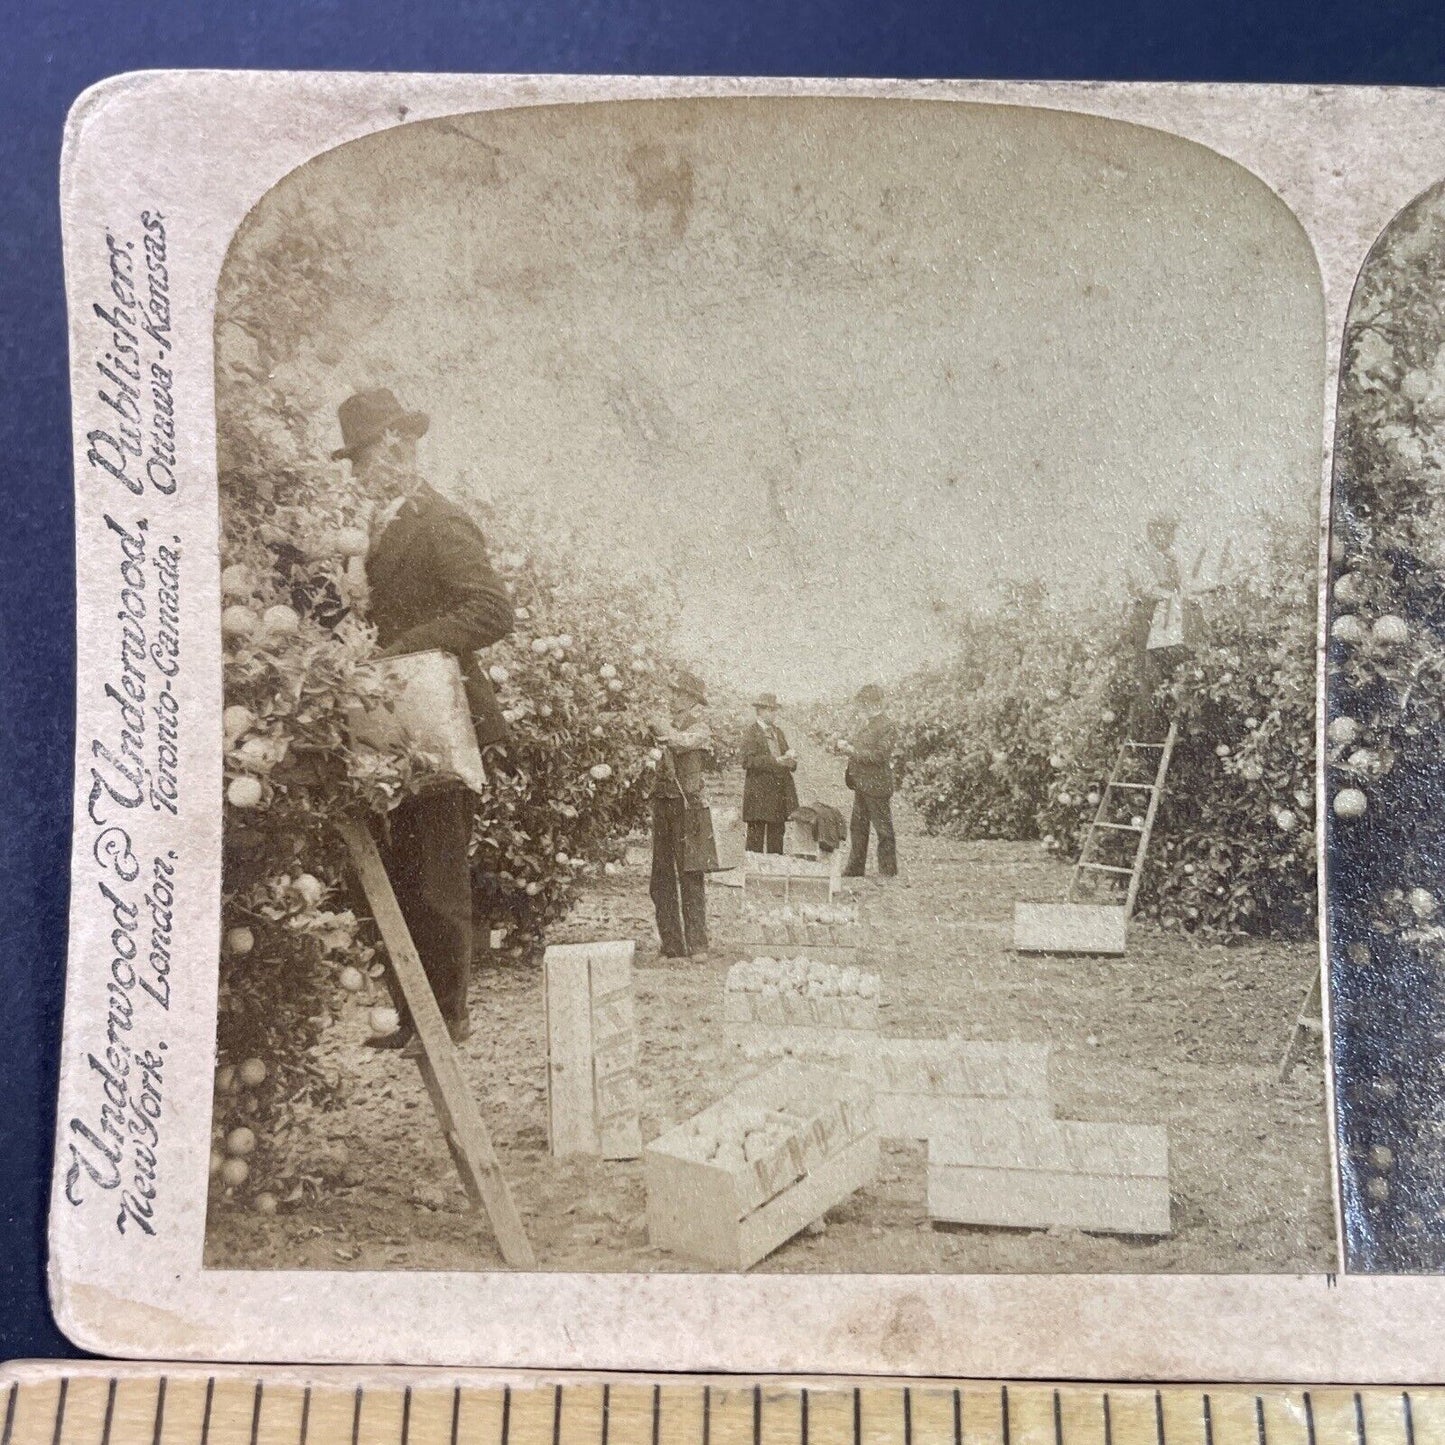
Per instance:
x=99, y=1403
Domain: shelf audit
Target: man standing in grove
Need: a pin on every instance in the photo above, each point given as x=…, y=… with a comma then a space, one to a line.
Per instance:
x=683, y=848
x=870, y=776
x=770, y=795
x=431, y=587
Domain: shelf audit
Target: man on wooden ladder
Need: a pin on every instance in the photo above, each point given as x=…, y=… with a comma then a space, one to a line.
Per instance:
x=431, y=586
x=1163, y=623
x=1163, y=630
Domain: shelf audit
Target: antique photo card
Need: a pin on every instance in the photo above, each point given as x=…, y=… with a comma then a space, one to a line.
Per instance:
x=698, y=712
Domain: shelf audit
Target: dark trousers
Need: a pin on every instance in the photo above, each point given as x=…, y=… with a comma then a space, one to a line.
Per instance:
x=426, y=859
x=679, y=897
x=1148, y=722
x=875, y=809
x=765, y=836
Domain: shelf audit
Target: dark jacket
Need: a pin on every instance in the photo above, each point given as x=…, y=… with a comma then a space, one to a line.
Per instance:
x=432, y=586
x=769, y=793
x=679, y=774
x=869, y=769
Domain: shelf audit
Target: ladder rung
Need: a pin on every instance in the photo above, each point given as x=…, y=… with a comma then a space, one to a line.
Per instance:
x=1143, y=745
x=1148, y=787
x=1107, y=868
x=1120, y=827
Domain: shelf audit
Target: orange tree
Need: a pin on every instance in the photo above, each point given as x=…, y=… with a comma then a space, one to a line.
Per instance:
x=1385, y=739
x=1016, y=736
x=580, y=681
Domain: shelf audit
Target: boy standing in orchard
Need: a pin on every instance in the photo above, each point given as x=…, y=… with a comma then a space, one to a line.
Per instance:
x=683, y=849
x=431, y=587
x=1164, y=623
x=870, y=776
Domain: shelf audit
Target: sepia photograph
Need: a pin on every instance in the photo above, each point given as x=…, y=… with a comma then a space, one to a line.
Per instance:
x=769, y=669
x=1386, y=679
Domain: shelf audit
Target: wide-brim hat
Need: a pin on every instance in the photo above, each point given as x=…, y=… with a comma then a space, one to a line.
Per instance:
x=766, y=699
x=690, y=685
x=367, y=416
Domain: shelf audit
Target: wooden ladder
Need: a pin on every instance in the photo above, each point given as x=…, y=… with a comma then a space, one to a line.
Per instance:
x=462, y=1127
x=1102, y=826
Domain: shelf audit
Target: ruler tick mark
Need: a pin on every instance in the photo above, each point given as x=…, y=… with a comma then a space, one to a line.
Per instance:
x=1309, y=1420
x=858, y=1416
x=1409, y=1413
x=1208, y=1422
x=1058, y=1420
x=1159, y=1416
x=607, y=1414
x=356, y=1417
x=456, y=1413
x=255, y=1416
x=958, y=1417
x=109, y=1412
x=907, y=1415
x=557, y=1415
x=405, y=1414
x=803, y=1415
x=160, y=1412
x=656, y=1414
x=707, y=1415
x=1360, y=1420
x=1108, y=1421
x=206, y=1413
x=757, y=1416
x=1003, y=1413
x=305, y=1415
x=1259, y=1420
x=10, y=1414
x=60, y=1408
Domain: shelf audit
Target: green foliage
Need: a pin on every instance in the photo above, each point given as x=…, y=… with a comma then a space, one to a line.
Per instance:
x=1016, y=736
x=1387, y=661
x=581, y=682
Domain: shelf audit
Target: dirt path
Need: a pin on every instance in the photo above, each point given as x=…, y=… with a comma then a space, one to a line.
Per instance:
x=1178, y=1034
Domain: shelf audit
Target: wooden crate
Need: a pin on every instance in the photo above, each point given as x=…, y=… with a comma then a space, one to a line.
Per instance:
x=778, y=890
x=760, y=1023
x=1070, y=928
x=591, y=1050
x=772, y=880
x=771, y=933
x=787, y=865
x=423, y=704
x=732, y=1216
x=1035, y=1174
x=927, y=1087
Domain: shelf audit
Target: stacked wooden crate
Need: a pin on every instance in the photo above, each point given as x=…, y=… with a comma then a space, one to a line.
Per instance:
x=782, y=1004
x=996, y=1153
x=827, y=932
x=1041, y=1173
x=925, y=1088
x=777, y=879
x=745, y=1175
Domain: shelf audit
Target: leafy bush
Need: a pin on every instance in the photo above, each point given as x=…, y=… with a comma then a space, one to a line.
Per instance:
x=1385, y=739
x=580, y=681
x=1018, y=735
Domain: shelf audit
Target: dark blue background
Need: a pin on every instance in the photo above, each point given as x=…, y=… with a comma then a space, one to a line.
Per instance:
x=59, y=48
